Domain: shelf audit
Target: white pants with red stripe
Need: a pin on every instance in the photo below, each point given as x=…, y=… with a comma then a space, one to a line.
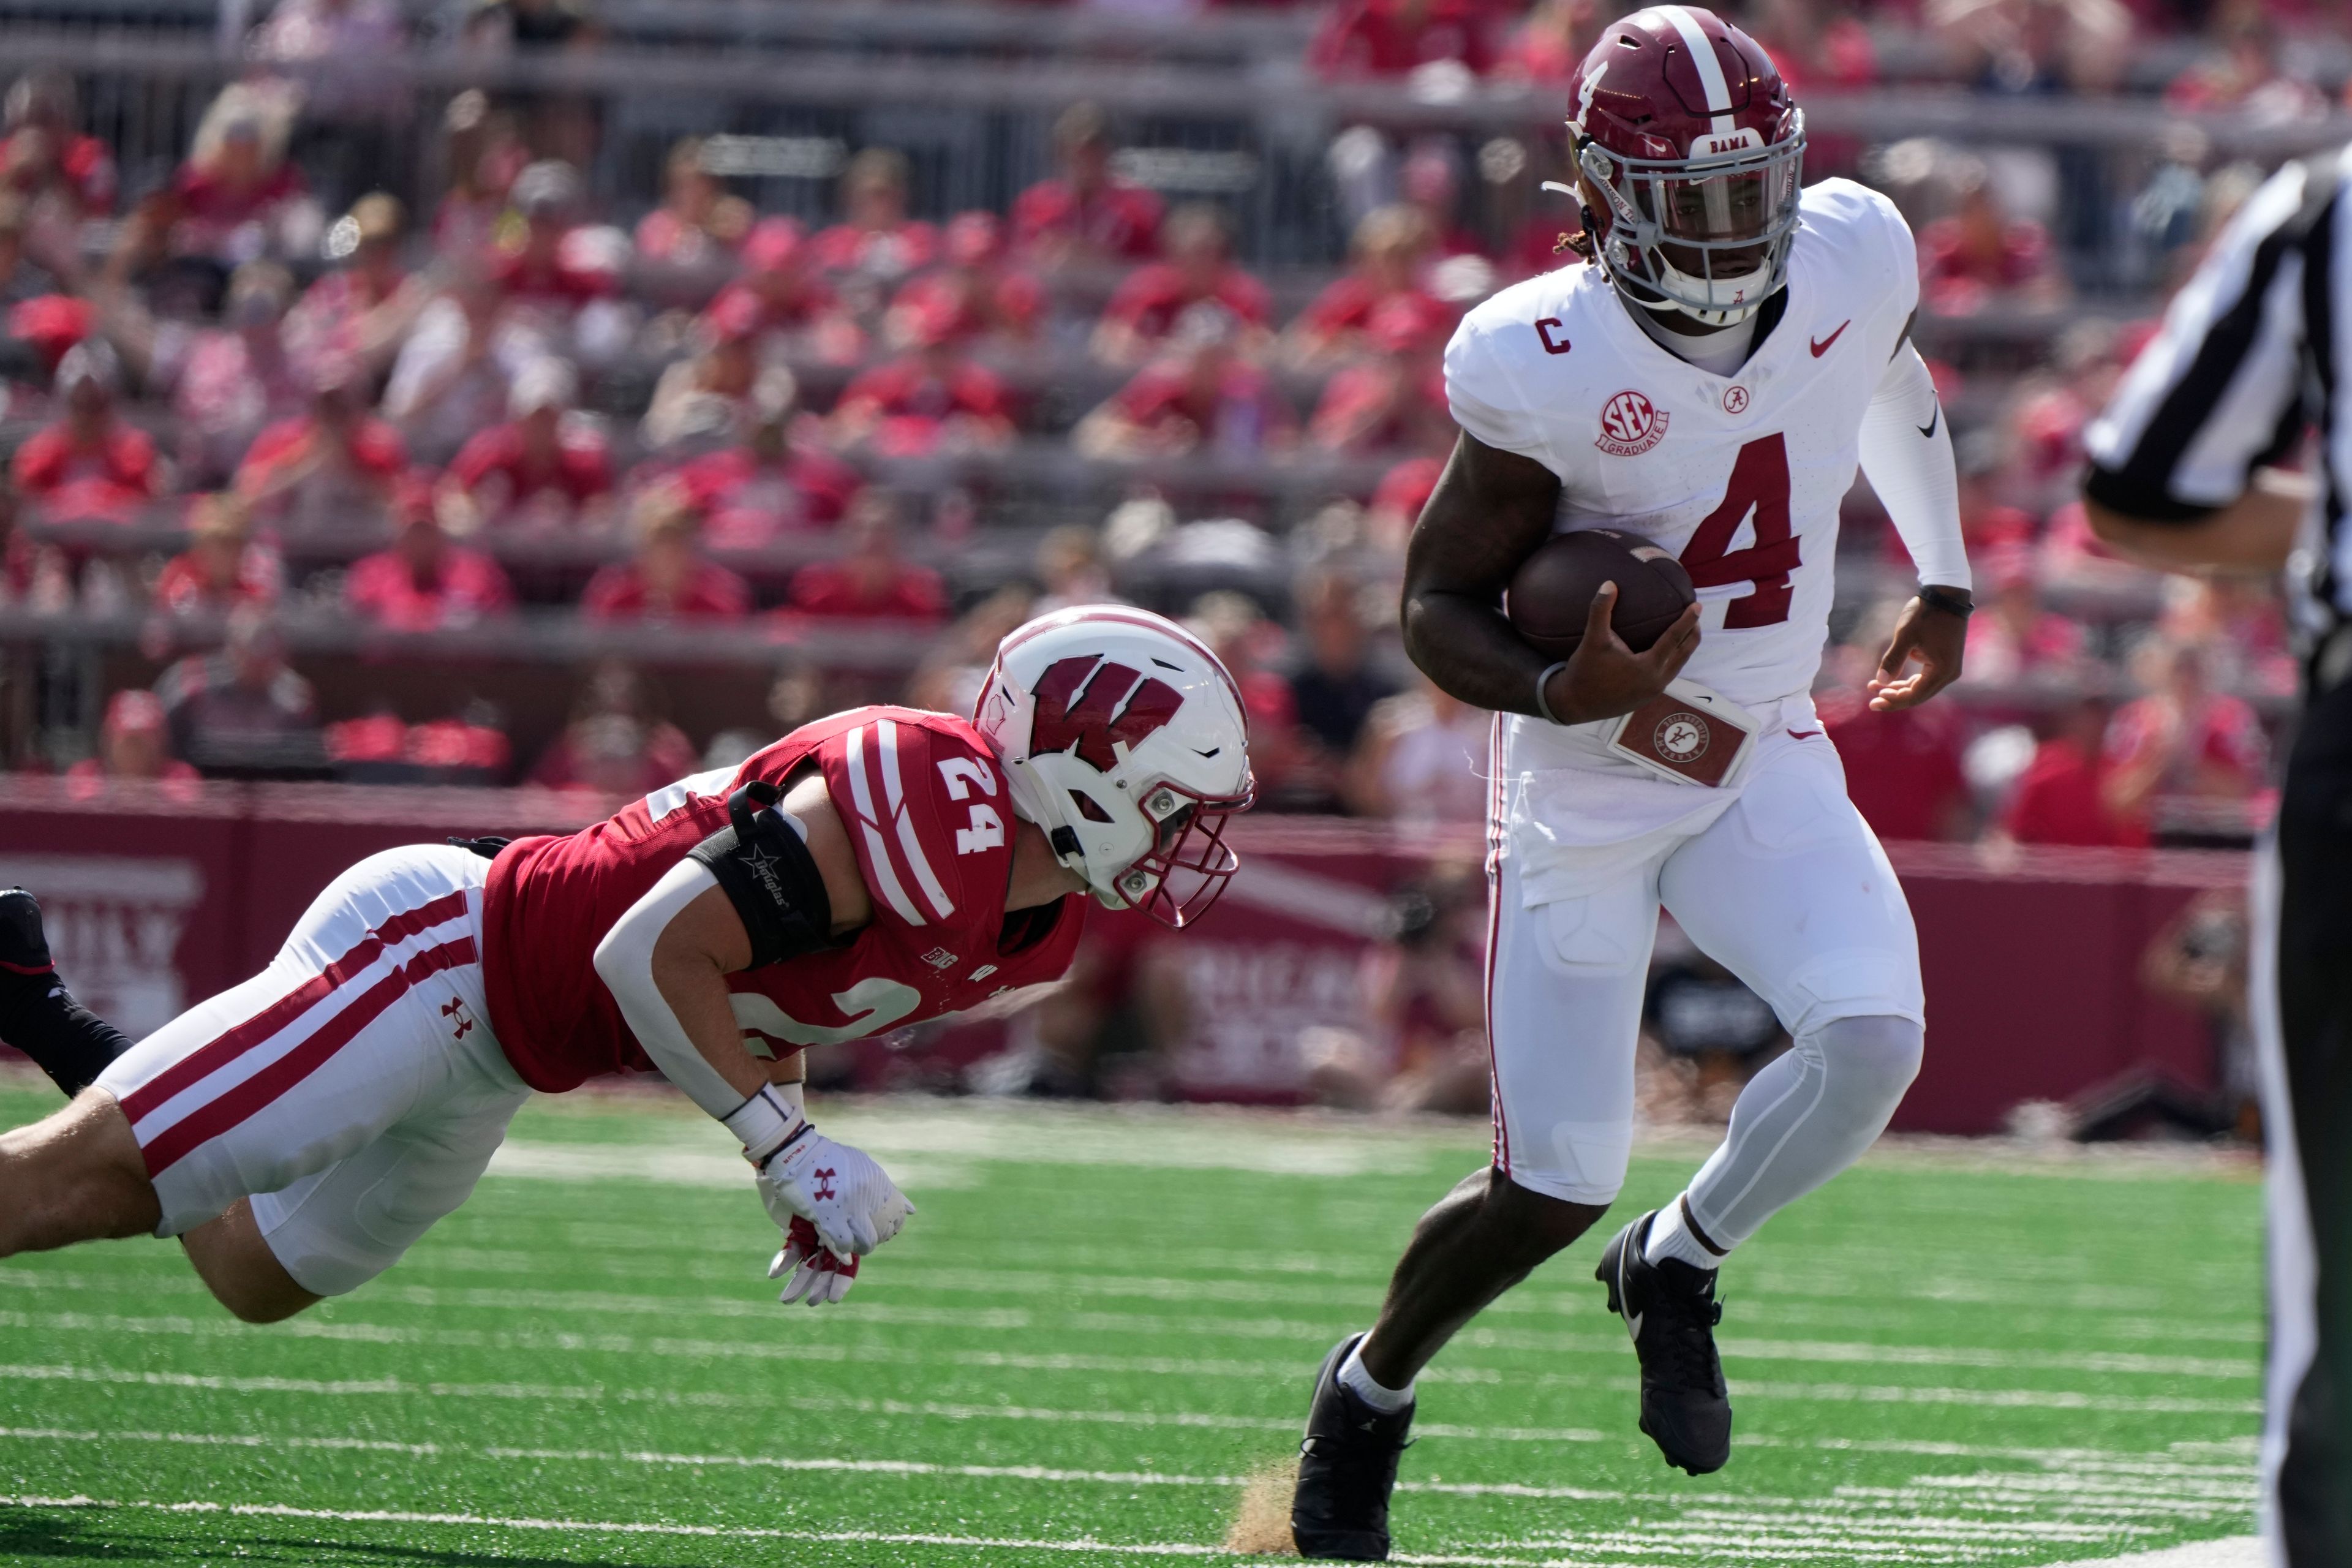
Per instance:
x=352, y=1089
x=1778, y=879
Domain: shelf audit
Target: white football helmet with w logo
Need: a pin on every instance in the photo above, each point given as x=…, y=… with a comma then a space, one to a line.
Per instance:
x=1124, y=739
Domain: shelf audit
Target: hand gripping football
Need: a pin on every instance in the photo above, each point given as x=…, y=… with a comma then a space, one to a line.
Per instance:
x=1552, y=593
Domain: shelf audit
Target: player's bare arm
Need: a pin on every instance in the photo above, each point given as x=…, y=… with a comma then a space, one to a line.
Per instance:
x=2181, y=477
x=1489, y=512
x=701, y=946
x=2254, y=533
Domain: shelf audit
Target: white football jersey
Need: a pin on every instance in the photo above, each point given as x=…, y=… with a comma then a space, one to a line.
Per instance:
x=1738, y=476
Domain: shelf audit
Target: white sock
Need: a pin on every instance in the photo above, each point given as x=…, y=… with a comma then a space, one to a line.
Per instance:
x=1670, y=1237
x=1364, y=1386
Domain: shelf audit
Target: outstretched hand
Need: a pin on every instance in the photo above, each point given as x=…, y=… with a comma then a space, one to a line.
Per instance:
x=849, y=1200
x=819, y=1274
x=1604, y=678
x=1935, y=640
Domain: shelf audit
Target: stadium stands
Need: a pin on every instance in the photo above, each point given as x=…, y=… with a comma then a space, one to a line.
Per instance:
x=762, y=256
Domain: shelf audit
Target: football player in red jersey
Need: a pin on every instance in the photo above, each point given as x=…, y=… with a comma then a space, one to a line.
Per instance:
x=300, y=1131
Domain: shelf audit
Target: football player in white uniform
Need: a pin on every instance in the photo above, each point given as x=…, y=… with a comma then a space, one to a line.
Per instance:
x=1710, y=381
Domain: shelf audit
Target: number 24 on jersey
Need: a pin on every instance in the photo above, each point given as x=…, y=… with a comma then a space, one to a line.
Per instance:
x=962, y=775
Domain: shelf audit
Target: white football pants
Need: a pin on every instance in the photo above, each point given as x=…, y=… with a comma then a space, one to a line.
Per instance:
x=352, y=1089
x=1786, y=886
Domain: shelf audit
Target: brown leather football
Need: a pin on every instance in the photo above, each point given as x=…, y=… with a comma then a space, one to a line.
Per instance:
x=1552, y=590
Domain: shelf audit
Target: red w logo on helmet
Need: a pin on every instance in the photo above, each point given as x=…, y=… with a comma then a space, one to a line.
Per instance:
x=1087, y=704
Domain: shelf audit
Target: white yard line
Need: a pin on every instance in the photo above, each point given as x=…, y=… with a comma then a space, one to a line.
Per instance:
x=736, y=1532
x=1937, y=1517
x=1307, y=1143
x=2186, y=1307
x=808, y=1400
x=755, y=1303
x=2237, y=1552
x=1998, y=1398
x=708, y=1349
x=939, y=1153
x=911, y=1275
x=1040, y=1473
x=1009, y=1129
x=620, y=1527
x=2220, y=1460
x=1755, y=1548
x=1812, y=1351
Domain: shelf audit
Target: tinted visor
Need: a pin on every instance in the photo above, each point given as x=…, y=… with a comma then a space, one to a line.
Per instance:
x=1737, y=207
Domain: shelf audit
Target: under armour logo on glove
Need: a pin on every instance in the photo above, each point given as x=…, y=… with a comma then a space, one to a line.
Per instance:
x=850, y=1199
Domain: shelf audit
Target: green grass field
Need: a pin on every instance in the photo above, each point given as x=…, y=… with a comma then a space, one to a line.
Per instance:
x=1097, y=1324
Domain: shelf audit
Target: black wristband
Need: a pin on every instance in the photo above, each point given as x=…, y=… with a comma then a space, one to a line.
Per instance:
x=769, y=877
x=784, y=1148
x=1951, y=601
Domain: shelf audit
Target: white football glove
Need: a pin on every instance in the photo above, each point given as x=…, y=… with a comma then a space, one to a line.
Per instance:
x=849, y=1200
x=820, y=1275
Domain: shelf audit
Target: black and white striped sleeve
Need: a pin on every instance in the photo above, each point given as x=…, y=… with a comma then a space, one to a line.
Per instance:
x=2222, y=390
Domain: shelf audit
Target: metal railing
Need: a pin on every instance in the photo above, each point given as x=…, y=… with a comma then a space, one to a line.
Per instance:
x=977, y=127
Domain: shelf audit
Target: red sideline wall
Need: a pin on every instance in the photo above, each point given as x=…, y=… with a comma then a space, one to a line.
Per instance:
x=2031, y=964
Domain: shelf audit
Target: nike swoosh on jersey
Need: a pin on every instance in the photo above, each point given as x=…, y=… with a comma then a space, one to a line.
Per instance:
x=1928, y=429
x=1802, y=735
x=1822, y=345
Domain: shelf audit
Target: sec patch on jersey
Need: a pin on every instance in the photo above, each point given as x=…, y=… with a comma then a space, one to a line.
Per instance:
x=1551, y=592
x=1630, y=424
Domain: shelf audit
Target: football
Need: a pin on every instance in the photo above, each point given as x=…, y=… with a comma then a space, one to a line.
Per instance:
x=1551, y=592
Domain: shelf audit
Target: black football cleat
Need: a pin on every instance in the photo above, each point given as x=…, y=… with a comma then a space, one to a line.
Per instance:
x=24, y=946
x=1671, y=1310
x=37, y=1014
x=1347, y=1468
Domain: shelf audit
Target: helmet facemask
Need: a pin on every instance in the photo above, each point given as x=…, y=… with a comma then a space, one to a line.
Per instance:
x=1708, y=236
x=1176, y=877
x=1188, y=863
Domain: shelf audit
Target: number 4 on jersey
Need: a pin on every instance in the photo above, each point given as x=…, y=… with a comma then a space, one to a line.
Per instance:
x=987, y=830
x=1759, y=484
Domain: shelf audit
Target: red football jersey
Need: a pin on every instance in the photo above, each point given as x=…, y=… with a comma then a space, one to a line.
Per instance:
x=929, y=816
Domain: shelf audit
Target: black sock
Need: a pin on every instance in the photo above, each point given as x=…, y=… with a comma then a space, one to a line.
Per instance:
x=64, y=1039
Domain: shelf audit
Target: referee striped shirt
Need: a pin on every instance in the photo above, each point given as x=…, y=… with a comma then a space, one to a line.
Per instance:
x=2248, y=361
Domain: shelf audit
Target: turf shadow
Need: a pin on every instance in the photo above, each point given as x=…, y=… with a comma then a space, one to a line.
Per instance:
x=440, y=1559
x=58, y=1540
x=33, y=1538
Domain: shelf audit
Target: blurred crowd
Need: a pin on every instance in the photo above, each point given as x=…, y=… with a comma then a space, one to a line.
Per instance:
x=266, y=394
x=308, y=429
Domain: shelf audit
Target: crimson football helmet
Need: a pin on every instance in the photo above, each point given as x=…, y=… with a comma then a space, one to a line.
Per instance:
x=1124, y=738
x=1682, y=126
